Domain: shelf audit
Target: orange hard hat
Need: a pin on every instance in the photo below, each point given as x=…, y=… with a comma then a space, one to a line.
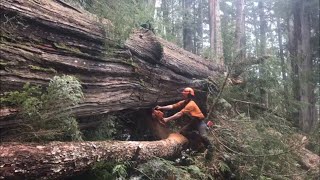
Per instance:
x=188, y=90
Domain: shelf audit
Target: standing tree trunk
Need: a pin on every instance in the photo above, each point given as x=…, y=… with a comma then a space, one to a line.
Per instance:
x=177, y=20
x=215, y=31
x=243, y=40
x=307, y=112
x=219, y=43
x=187, y=26
x=256, y=34
x=212, y=13
x=199, y=28
x=283, y=64
x=263, y=42
x=239, y=33
x=165, y=16
x=194, y=30
x=293, y=26
x=151, y=4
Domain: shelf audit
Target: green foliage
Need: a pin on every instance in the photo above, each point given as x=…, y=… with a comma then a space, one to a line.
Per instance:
x=18, y=98
x=37, y=68
x=223, y=167
x=71, y=129
x=65, y=90
x=170, y=26
x=106, y=129
x=48, y=115
x=106, y=170
x=196, y=172
x=124, y=15
x=30, y=109
x=102, y=171
x=250, y=91
x=263, y=143
x=3, y=64
x=67, y=48
x=207, y=53
x=158, y=168
x=120, y=170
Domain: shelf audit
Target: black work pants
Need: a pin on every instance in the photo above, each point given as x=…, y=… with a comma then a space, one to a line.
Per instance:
x=201, y=127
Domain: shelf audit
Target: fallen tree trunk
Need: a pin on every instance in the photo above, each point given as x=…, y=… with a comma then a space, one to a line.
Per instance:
x=41, y=39
x=62, y=159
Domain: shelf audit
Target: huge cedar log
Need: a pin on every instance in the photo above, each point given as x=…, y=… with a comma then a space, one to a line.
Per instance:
x=41, y=39
x=62, y=159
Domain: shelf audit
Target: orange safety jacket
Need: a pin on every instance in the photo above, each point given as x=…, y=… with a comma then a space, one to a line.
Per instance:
x=191, y=109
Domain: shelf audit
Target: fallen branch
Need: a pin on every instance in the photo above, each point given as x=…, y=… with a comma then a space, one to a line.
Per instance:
x=240, y=67
x=218, y=96
x=258, y=106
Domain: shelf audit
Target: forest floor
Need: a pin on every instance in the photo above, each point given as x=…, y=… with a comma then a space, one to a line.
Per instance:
x=258, y=148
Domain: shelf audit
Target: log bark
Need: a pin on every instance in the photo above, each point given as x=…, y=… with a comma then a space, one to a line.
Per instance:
x=41, y=39
x=62, y=159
